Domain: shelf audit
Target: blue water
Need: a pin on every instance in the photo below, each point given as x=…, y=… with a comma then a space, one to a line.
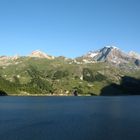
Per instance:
x=70, y=118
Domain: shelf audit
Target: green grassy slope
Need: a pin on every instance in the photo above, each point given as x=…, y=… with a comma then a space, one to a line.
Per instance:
x=58, y=76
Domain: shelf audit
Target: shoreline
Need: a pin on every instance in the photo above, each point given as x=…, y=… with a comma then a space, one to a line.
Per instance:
x=45, y=95
x=63, y=95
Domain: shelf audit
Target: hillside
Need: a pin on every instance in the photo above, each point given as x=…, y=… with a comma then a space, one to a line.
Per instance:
x=45, y=74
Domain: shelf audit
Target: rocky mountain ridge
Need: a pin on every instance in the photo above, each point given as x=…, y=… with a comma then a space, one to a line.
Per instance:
x=40, y=54
x=112, y=55
x=109, y=54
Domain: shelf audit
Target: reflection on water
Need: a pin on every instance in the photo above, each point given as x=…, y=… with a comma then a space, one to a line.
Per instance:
x=70, y=118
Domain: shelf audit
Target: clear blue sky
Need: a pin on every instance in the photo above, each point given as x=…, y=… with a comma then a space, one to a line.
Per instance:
x=68, y=27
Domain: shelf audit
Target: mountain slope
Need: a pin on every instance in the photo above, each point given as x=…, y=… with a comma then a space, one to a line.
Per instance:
x=43, y=75
x=112, y=55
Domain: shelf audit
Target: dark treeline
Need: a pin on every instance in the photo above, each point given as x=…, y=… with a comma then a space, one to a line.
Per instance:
x=128, y=86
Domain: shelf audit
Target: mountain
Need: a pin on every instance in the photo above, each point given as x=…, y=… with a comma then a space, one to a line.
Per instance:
x=8, y=60
x=14, y=60
x=43, y=74
x=112, y=55
x=40, y=54
x=134, y=54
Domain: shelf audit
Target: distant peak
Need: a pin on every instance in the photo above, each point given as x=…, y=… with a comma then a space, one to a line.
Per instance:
x=112, y=47
x=40, y=54
x=37, y=51
x=134, y=54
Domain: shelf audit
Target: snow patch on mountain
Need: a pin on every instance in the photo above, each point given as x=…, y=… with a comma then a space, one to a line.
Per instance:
x=134, y=54
x=112, y=55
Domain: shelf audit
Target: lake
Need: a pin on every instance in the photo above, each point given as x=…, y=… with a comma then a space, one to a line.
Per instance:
x=70, y=118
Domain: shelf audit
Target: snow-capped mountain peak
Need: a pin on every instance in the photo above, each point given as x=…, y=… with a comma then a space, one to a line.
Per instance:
x=110, y=54
x=102, y=53
x=111, y=47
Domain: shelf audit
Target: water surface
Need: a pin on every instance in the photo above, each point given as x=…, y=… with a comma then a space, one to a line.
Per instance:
x=70, y=118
